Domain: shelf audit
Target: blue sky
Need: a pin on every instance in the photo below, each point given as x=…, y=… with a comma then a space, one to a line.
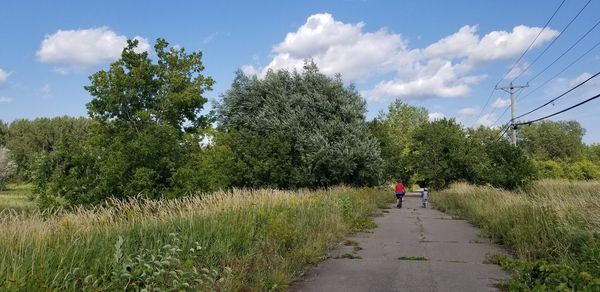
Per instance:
x=443, y=55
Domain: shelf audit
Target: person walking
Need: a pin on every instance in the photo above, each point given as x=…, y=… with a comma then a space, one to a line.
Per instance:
x=424, y=197
x=399, y=193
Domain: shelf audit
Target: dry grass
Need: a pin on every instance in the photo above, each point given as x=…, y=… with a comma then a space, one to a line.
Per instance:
x=544, y=220
x=265, y=236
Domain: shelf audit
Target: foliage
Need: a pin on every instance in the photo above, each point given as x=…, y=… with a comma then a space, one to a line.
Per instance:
x=266, y=237
x=3, y=133
x=553, y=227
x=295, y=129
x=7, y=167
x=30, y=139
x=440, y=153
x=394, y=130
x=166, y=268
x=496, y=162
x=146, y=129
x=553, y=140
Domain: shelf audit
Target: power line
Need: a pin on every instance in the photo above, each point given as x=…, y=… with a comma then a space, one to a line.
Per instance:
x=565, y=52
x=556, y=98
x=518, y=60
x=563, y=70
x=553, y=41
x=533, y=42
x=559, y=112
x=503, y=132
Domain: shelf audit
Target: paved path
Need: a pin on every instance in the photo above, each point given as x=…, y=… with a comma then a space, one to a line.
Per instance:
x=455, y=254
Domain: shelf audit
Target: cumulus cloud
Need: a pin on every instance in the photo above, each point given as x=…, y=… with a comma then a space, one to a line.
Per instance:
x=467, y=112
x=84, y=47
x=442, y=69
x=436, y=116
x=3, y=76
x=487, y=120
x=4, y=99
x=501, y=103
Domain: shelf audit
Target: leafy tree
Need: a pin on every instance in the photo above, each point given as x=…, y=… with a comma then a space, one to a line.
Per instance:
x=294, y=129
x=394, y=130
x=440, y=153
x=147, y=128
x=3, y=133
x=7, y=167
x=28, y=139
x=550, y=140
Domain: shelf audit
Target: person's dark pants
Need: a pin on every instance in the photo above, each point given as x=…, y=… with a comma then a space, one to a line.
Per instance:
x=399, y=196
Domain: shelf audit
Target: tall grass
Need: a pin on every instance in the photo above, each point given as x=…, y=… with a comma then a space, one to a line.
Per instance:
x=17, y=198
x=552, y=222
x=264, y=236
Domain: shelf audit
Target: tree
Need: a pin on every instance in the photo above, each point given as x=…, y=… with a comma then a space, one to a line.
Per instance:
x=7, y=167
x=3, y=133
x=294, y=129
x=550, y=140
x=394, y=130
x=29, y=139
x=440, y=155
x=147, y=127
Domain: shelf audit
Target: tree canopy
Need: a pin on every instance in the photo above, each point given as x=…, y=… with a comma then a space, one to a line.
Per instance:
x=298, y=129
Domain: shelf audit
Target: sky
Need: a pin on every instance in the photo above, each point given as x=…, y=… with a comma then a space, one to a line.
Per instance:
x=446, y=56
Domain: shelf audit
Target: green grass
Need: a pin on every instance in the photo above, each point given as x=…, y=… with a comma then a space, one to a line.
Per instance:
x=17, y=197
x=553, y=228
x=239, y=240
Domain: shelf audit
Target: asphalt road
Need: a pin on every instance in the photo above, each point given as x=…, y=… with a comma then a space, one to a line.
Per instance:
x=412, y=249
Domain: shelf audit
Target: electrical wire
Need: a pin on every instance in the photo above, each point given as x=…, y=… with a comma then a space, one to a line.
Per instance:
x=558, y=97
x=519, y=59
x=553, y=41
x=559, y=112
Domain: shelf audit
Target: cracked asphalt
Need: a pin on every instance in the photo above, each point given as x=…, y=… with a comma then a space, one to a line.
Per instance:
x=412, y=249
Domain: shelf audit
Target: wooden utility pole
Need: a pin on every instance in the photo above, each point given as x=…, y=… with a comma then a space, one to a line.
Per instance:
x=511, y=89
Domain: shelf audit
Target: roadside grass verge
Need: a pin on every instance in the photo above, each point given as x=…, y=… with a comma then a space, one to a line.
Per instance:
x=228, y=241
x=17, y=198
x=553, y=228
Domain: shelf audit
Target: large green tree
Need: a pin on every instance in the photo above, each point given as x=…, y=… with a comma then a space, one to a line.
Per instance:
x=295, y=129
x=553, y=140
x=394, y=130
x=147, y=129
x=30, y=139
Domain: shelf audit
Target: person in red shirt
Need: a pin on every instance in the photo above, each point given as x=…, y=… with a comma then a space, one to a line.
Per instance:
x=399, y=193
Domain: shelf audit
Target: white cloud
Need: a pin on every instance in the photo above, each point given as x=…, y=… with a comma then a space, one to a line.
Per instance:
x=84, y=47
x=518, y=70
x=467, y=112
x=487, y=120
x=45, y=90
x=501, y=103
x=4, y=99
x=436, y=116
x=442, y=69
x=3, y=76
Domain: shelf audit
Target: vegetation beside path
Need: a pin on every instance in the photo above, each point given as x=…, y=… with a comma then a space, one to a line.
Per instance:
x=240, y=240
x=553, y=228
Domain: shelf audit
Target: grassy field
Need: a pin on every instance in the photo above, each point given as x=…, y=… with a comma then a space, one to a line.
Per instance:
x=17, y=197
x=552, y=227
x=239, y=240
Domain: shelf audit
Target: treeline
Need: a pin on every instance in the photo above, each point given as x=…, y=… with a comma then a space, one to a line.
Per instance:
x=145, y=135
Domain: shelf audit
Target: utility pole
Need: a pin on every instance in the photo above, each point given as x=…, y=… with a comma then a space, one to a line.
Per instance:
x=511, y=89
